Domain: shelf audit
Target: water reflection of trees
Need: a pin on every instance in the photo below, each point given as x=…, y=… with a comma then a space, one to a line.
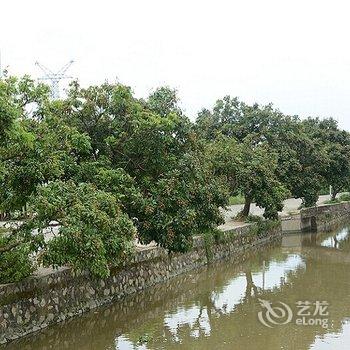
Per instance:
x=218, y=305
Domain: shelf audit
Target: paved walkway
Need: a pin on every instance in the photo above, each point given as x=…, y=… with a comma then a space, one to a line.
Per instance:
x=290, y=205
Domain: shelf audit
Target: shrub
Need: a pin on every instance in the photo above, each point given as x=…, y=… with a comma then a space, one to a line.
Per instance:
x=94, y=233
x=15, y=264
x=344, y=197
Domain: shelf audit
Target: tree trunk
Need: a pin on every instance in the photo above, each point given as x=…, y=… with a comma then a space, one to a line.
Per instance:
x=246, y=208
x=334, y=193
x=250, y=285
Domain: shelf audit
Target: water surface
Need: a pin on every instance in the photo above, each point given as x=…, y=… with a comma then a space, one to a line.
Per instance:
x=217, y=307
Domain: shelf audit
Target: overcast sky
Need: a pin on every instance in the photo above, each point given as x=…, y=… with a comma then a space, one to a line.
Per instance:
x=295, y=54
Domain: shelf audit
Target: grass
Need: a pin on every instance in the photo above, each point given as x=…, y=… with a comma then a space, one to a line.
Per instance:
x=239, y=199
x=332, y=201
x=3, y=230
x=344, y=197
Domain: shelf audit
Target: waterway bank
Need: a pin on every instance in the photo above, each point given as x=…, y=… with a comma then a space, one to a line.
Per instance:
x=218, y=304
x=54, y=296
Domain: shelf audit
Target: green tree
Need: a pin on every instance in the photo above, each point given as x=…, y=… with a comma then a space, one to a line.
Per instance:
x=249, y=169
x=94, y=234
x=20, y=100
x=182, y=203
x=54, y=152
x=163, y=101
x=335, y=144
x=73, y=225
x=149, y=140
x=301, y=160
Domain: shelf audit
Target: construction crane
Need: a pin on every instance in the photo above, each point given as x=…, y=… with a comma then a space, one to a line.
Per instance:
x=54, y=78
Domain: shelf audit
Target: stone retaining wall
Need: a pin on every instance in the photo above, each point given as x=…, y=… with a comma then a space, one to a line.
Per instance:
x=324, y=217
x=321, y=218
x=54, y=296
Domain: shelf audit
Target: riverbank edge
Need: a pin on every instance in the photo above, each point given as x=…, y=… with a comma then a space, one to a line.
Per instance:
x=323, y=217
x=54, y=296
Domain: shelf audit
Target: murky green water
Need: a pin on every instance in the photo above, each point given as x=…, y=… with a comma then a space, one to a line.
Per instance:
x=218, y=307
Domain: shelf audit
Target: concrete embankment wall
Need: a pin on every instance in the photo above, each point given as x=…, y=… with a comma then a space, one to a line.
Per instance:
x=54, y=296
x=320, y=218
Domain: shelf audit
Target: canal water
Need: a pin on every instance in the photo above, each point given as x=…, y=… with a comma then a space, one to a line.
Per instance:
x=294, y=294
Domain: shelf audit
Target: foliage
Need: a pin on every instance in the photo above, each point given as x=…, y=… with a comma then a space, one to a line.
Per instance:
x=84, y=228
x=301, y=161
x=19, y=98
x=262, y=226
x=17, y=246
x=100, y=164
x=253, y=218
x=258, y=181
x=249, y=169
x=54, y=152
x=154, y=144
x=234, y=200
x=332, y=201
x=93, y=232
x=101, y=167
x=305, y=180
x=344, y=197
x=336, y=147
x=209, y=239
x=164, y=101
x=182, y=203
x=3, y=230
x=16, y=263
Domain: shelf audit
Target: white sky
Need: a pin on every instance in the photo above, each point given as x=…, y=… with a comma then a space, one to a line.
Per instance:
x=295, y=54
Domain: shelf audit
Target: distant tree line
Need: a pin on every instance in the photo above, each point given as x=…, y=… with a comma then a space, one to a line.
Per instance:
x=101, y=168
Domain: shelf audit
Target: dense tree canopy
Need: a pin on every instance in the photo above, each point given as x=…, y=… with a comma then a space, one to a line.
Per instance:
x=94, y=172
x=249, y=169
x=107, y=169
x=335, y=145
x=303, y=151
